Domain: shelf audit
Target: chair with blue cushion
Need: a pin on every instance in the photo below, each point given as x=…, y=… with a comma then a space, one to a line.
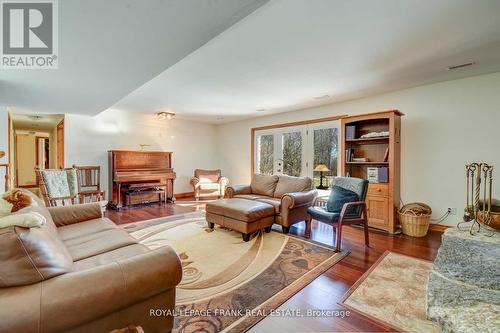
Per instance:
x=346, y=205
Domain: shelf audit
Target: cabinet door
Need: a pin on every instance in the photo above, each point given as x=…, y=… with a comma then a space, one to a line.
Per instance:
x=378, y=211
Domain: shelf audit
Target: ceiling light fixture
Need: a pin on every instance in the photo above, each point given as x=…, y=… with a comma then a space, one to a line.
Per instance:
x=165, y=115
x=322, y=97
x=467, y=64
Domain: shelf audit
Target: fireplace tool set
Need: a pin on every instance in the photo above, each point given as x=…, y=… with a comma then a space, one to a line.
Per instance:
x=481, y=209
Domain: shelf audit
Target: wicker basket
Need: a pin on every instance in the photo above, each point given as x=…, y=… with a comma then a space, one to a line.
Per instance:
x=415, y=218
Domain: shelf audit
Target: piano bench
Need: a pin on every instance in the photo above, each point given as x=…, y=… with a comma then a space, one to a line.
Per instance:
x=162, y=196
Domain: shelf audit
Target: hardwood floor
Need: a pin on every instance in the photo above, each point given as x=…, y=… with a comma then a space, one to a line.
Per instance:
x=326, y=290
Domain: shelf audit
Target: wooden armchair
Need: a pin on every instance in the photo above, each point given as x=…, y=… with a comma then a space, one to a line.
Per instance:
x=89, y=183
x=351, y=213
x=208, y=183
x=57, y=186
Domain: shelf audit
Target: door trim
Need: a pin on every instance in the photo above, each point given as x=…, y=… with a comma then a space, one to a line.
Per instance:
x=37, y=151
x=60, y=148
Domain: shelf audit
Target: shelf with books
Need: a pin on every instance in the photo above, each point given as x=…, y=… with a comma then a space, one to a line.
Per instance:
x=377, y=159
x=374, y=140
x=373, y=153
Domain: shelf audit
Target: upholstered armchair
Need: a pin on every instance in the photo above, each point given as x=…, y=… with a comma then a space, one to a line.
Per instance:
x=290, y=196
x=346, y=205
x=208, y=183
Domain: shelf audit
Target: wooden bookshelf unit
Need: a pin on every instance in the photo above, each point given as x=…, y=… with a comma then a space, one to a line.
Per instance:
x=359, y=153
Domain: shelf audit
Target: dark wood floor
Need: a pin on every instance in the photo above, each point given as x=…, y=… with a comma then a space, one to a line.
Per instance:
x=325, y=291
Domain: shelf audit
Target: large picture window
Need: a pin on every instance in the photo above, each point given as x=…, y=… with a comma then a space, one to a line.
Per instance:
x=298, y=150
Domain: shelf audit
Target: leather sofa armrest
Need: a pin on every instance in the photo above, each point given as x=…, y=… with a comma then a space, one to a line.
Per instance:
x=233, y=190
x=298, y=199
x=65, y=215
x=195, y=181
x=95, y=292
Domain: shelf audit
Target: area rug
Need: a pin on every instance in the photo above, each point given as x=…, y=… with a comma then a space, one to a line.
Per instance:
x=229, y=284
x=393, y=292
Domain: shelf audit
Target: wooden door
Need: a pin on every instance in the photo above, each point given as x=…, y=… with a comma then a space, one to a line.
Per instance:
x=60, y=144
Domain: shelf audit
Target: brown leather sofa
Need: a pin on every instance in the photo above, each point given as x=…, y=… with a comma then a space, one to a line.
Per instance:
x=290, y=196
x=81, y=273
x=207, y=183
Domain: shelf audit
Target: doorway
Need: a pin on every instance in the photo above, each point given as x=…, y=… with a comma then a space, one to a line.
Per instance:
x=38, y=142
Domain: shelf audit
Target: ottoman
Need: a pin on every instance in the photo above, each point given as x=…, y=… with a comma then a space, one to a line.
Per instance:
x=242, y=215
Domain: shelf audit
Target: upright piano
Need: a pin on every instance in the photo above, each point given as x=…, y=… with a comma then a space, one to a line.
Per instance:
x=138, y=171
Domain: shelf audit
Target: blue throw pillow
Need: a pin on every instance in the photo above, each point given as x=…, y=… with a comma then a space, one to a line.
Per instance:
x=338, y=197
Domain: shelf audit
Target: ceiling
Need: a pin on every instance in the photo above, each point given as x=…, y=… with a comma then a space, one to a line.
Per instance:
x=221, y=60
x=38, y=122
x=288, y=52
x=109, y=48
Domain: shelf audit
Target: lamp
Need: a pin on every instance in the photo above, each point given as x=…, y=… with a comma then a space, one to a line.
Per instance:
x=165, y=115
x=321, y=168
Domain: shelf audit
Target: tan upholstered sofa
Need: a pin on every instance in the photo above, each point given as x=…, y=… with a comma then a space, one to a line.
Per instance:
x=207, y=183
x=290, y=196
x=80, y=273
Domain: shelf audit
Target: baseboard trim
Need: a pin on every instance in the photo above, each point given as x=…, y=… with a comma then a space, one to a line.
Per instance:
x=184, y=195
x=439, y=227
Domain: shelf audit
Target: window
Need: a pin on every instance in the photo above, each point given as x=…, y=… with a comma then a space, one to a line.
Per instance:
x=297, y=150
x=265, y=154
x=325, y=151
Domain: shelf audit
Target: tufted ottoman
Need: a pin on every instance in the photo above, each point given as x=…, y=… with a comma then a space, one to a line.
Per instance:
x=242, y=215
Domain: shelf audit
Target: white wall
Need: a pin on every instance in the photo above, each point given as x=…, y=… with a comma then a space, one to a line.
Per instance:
x=4, y=137
x=446, y=125
x=87, y=140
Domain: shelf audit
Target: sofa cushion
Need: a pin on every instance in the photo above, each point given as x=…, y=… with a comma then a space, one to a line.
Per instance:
x=30, y=255
x=85, y=228
x=264, y=184
x=338, y=197
x=250, y=196
x=97, y=243
x=276, y=203
x=111, y=256
x=288, y=184
x=209, y=186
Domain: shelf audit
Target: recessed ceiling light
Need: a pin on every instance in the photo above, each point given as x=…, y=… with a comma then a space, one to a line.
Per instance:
x=467, y=64
x=322, y=97
x=261, y=110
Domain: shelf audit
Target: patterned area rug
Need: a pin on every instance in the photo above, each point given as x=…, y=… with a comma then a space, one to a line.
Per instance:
x=228, y=284
x=393, y=291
